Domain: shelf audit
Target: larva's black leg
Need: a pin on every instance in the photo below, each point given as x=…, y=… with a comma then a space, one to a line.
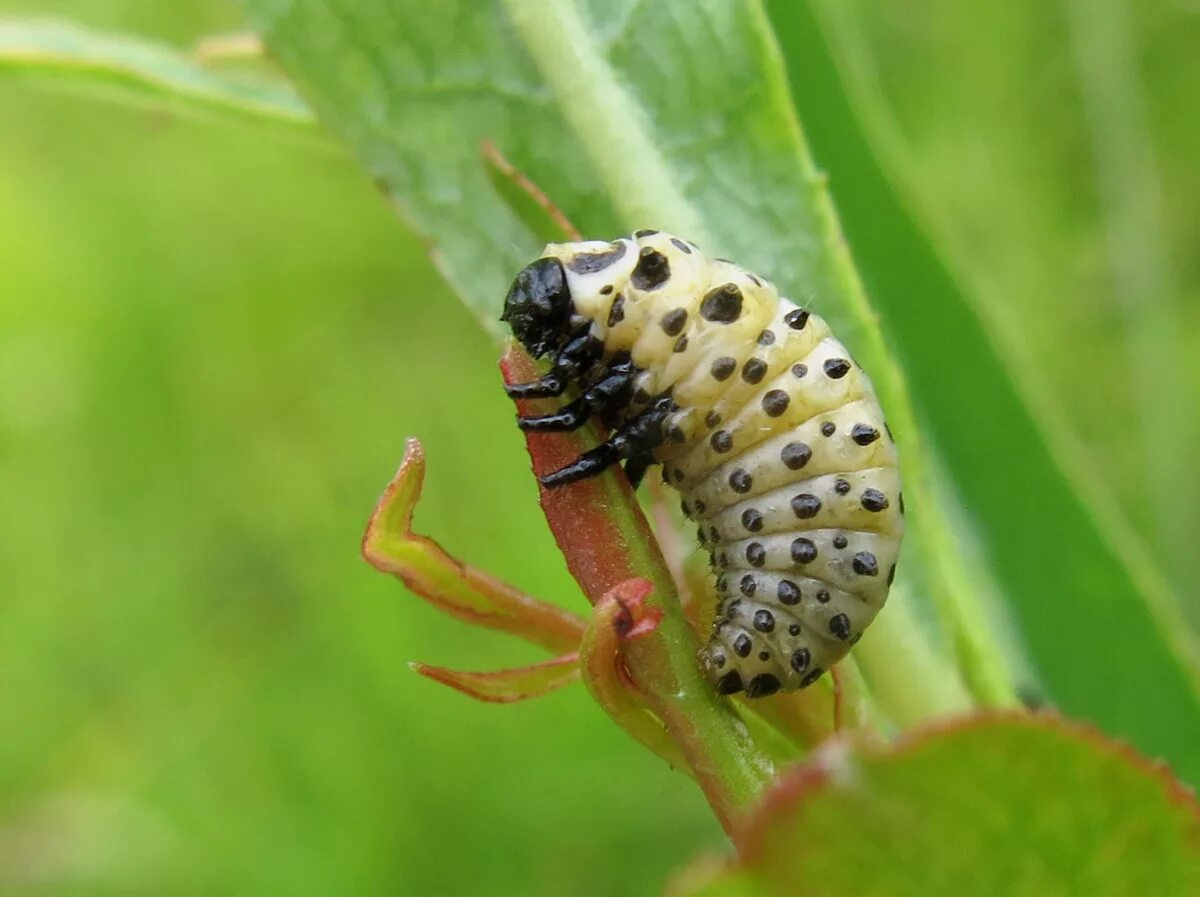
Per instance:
x=636, y=467
x=612, y=391
x=590, y=463
x=638, y=438
x=547, y=387
x=569, y=417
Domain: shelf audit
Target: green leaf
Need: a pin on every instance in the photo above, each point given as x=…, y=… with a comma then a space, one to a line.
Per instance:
x=1077, y=580
x=71, y=58
x=629, y=115
x=999, y=805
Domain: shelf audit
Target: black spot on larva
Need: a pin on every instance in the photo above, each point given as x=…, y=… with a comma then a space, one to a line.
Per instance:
x=864, y=434
x=681, y=246
x=617, y=313
x=681, y=345
x=795, y=455
x=823, y=596
x=766, y=338
x=673, y=321
x=794, y=629
x=788, y=593
x=775, y=402
x=839, y=625
x=799, y=370
x=718, y=659
x=606, y=289
x=676, y=435
x=730, y=683
x=756, y=555
x=812, y=677
x=591, y=262
x=840, y=541
x=836, y=368
x=801, y=659
x=762, y=685
x=683, y=506
x=711, y=419
x=865, y=564
x=742, y=645
x=764, y=621
x=723, y=367
x=874, y=500
x=804, y=551
x=891, y=574
x=702, y=535
x=645, y=232
x=841, y=487
x=740, y=481
x=754, y=279
x=806, y=505
x=651, y=271
x=854, y=639
x=764, y=655
x=828, y=428
x=721, y=441
x=677, y=475
x=700, y=506
x=722, y=305
x=752, y=520
x=754, y=370
x=900, y=502
x=796, y=319
x=748, y=584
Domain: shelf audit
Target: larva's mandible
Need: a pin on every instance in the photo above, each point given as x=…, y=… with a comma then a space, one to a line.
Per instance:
x=760, y=418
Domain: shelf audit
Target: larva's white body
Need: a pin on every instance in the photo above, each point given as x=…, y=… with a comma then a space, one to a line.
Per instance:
x=777, y=444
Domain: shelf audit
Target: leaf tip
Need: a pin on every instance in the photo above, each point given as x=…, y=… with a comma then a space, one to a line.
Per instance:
x=391, y=521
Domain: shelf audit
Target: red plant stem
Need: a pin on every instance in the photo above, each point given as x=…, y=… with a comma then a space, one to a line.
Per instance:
x=605, y=539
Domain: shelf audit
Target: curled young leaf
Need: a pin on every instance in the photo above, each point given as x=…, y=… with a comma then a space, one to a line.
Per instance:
x=391, y=546
x=508, y=686
x=622, y=615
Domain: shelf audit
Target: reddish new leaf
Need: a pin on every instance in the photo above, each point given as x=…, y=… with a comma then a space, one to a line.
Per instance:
x=621, y=616
x=508, y=686
x=462, y=591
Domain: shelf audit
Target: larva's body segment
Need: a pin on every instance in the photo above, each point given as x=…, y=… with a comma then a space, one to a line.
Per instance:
x=760, y=418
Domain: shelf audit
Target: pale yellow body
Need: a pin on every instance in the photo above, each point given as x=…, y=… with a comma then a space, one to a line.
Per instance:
x=812, y=544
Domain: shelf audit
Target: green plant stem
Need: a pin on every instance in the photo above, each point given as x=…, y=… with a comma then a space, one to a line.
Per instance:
x=729, y=767
x=894, y=658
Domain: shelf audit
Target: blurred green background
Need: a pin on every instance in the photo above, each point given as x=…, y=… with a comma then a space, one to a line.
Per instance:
x=212, y=346
x=213, y=343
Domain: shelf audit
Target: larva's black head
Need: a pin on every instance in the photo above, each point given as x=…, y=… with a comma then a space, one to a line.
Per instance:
x=538, y=306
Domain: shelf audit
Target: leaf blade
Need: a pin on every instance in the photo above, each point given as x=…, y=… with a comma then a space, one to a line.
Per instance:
x=1031, y=805
x=1044, y=531
x=74, y=58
